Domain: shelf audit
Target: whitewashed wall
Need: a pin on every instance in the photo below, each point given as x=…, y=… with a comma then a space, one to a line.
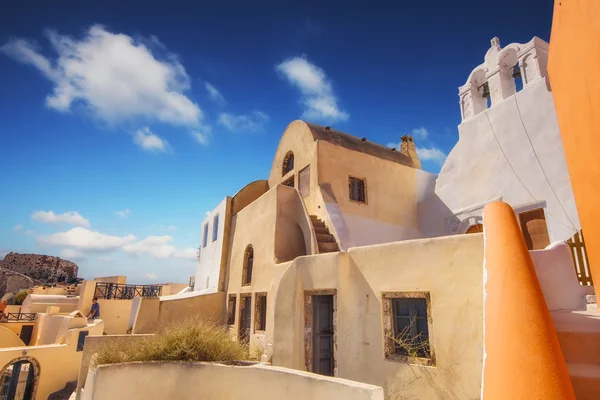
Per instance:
x=209, y=265
x=495, y=159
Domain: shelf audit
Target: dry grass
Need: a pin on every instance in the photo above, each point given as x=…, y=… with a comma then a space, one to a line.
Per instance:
x=191, y=340
x=412, y=345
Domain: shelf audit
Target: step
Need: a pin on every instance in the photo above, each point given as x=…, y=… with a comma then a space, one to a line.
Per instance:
x=321, y=230
x=328, y=247
x=585, y=379
x=580, y=347
x=313, y=217
x=318, y=224
x=325, y=237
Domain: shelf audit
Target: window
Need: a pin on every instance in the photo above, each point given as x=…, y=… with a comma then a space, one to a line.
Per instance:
x=304, y=181
x=288, y=163
x=231, y=309
x=248, y=265
x=535, y=231
x=407, y=327
x=260, y=312
x=215, y=227
x=81, y=340
x=477, y=228
x=205, y=237
x=357, y=190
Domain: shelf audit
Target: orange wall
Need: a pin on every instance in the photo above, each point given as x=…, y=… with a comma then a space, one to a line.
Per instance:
x=523, y=359
x=575, y=79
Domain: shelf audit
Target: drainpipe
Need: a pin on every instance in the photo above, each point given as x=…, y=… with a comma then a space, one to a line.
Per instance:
x=522, y=355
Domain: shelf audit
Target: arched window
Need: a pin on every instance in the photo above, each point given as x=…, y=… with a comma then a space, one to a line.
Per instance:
x=18, y=379
x=288, y=163
x=248, y=265
x=477, y=228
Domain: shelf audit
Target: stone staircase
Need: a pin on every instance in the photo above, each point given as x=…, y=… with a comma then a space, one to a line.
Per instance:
x=326, y=241
x=579, y=337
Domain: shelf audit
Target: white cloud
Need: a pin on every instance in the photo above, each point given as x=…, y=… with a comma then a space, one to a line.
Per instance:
x=86, y=240
x=30, y=232
x=115, y=76
x=420, y=133
x=202, y=136
x=70, y=254
x=318, y=97
x=150, y=141
x=69, y=217
x=215, y=95
x=151, y=275
x=123, y=213
x=159, y=247
x=17, y=228
x=431, y=154
x=106, y=259
x=253, y=122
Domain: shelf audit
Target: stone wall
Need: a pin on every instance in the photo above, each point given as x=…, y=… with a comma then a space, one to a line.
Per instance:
x=42, y=267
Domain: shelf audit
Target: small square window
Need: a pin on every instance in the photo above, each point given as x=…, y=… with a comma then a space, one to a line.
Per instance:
x=407, y=326
x=215, y=227
x=205, y=236
x=231, y=309
x=260, y=312
x=357, y=189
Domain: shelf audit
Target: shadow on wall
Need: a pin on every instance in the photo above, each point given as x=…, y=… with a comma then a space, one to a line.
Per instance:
x=293, y=234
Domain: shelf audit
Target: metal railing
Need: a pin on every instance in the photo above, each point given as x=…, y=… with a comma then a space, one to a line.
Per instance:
x=18, y=316
x=119, y=291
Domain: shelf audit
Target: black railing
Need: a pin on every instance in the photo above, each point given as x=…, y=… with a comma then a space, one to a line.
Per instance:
x=18, y=316
x=121, y=291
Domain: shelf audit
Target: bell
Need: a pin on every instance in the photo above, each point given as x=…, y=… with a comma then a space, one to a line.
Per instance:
x=486, y=91
x=516, y=71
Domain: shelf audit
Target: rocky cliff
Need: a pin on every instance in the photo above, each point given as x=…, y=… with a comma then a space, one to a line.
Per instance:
x=40, y=267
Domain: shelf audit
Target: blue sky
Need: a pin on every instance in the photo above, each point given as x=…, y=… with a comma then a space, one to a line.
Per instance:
x=122, y=123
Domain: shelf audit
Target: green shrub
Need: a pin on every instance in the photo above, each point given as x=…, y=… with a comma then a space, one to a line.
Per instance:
x=191, y=340
x=20, y=297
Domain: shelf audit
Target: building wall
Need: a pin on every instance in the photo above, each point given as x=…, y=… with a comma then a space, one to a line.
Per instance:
x=211, y=256
x=58, y=363
x=115, y=314
x=449, y=268
x=526, y=172
x=573, y=69
x=16, y=327
x=190, y=305
x=8, y=338
x=214, y=381
x=392, y=193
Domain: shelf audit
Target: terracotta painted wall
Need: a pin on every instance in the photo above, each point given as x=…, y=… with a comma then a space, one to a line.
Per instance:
x=213, y=381
x=573, y=69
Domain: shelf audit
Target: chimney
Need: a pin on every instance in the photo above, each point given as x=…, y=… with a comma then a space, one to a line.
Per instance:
x=407, y=147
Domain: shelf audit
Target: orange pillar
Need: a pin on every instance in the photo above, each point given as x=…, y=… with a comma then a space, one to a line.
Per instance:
x=523, y=359
x=574, y=59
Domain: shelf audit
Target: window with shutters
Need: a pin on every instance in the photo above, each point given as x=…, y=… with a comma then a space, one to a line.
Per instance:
x=231, y=309
x=407, y=327
x=358, y=189
x=260, y=312
x=304, y=181
x=248, y=265
x=534, y=228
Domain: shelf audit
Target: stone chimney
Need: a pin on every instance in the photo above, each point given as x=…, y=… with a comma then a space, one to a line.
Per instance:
x=407, y=147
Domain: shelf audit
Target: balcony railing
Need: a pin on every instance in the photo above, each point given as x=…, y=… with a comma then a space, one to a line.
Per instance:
x=18, y=316
x=120, y=291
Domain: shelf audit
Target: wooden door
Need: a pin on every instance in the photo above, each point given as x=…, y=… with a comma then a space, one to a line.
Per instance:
x=323, y=334
x=246, y=313
x=535, y=231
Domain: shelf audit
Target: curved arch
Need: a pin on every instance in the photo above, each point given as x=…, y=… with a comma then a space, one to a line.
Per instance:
x=30, y=392
x=288, y=163
x=248, y=265
x=477, y=76
x=508, y=57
